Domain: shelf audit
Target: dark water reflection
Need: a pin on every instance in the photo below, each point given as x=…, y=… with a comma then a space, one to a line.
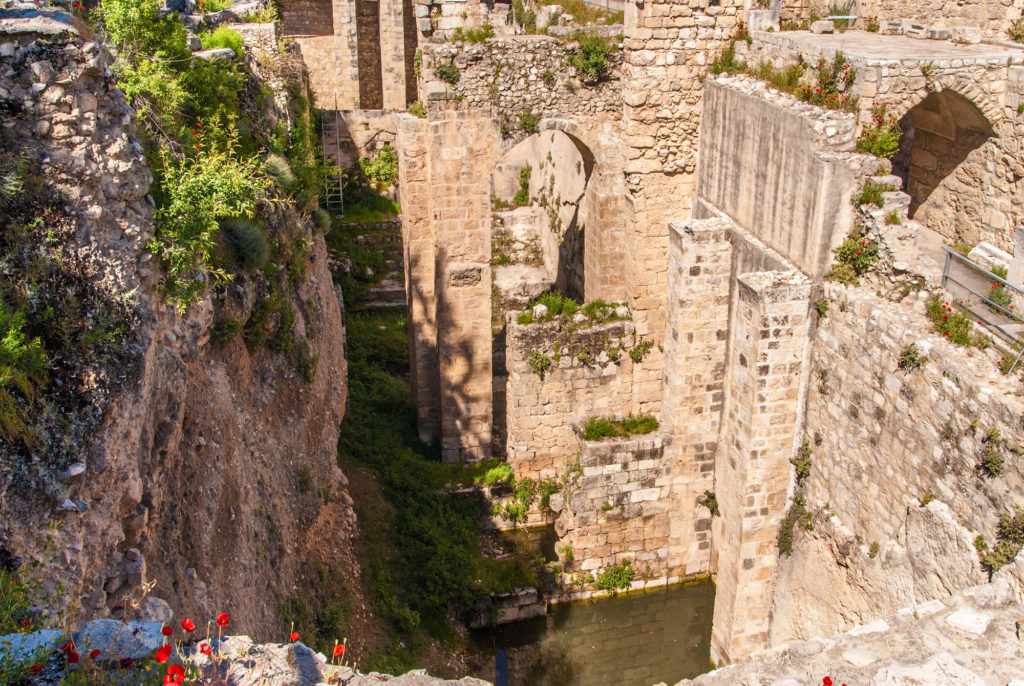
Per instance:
x=637, y=639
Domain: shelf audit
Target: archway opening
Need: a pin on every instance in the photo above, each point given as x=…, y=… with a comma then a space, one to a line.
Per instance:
x=939, y=135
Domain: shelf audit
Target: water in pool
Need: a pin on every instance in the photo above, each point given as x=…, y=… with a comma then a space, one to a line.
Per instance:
x=634, y=639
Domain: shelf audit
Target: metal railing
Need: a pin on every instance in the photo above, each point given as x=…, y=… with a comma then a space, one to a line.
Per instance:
x=974, y=287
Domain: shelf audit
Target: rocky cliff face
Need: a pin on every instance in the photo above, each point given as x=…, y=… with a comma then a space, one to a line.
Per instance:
x=208, y=470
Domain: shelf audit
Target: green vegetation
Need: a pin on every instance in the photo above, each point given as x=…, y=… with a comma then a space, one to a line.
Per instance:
x=449, y=73
x=871, y=194
x=223, y=37
x=710, y=501
x=1009, y=540
x=1015, y=31
x=798, y=512
x=911, y=358
x=225, y=329
x=821, y=307
x=1000, y=298
x=528, y=121
x=639, y=351
x=592, y=55
x=616, y=577
x=854, y=257
x=381, y=170
x=873, y=550
x=473, y=35
x=881, y=138
x=522, y=196
x=597, y=428
x=523, y=16
x=539, y=363
x=893, y=218
x=955, y=323
x=927, y=497
x=417, y=109
x=429, y=558
x=832, y=82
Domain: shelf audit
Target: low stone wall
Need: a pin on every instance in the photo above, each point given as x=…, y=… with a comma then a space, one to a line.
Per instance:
x=258, y=37
x=507, y=76
x=541, y=409
x=907, y=433
x=619, y=510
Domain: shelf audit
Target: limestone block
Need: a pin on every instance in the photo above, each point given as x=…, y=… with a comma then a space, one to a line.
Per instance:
x=965, y=34
x=823, y=26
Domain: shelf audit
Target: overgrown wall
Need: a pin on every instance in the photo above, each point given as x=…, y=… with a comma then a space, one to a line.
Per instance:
x=882, y=438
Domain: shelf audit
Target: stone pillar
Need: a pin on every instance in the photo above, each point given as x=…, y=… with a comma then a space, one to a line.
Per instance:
x=769, y=338
x=418, y=246
x=668, y=44
x=1015, y=273
x=606, y=250
x=392, y=53
x=345, y=84
x=695, y=349
x=462, y=151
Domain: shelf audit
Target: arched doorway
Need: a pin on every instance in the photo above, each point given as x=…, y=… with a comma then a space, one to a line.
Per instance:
x=935, y=161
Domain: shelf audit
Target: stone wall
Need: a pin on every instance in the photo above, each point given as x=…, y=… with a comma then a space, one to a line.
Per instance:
x=977, y=196
x=258, y=37
x=619, y=510
x=970, y=638
x=507, y=76
x=752, y=138
x=541, y=410
x=993, y=16
x=326, y=34
x=907, y=433
x=307, y=17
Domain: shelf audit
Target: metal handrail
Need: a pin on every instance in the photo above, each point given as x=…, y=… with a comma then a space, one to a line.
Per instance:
x=999, y=308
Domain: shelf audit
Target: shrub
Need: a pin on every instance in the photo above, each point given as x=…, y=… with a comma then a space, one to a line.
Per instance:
x=910, y=358
x=871, y=194
x=785, y=537
x=710, y=501
x=821, y=307
x=525, y=17
x=546, y=489
x=473, y=35
x=893, y=218
x=500, y=474
x=639, y=351
x=248, y=242
x=1015, y=31
x=616, y=577
x=727, y=62
x=954, y=323
x=881, y=138
x=539, y=363
x=873, y=550
x=522, y=196
x=225, y=328
x=195, y=194
x=566, y=551
x=417, y=109
x=528, y=121
x=927, y=497
x=855, y=256
x=1000, y=298
x=280, y=172
x=1009, y=540
x=597, y=428
x=381, y=169
x=549, y=78
x=991, y=463
x=321, y=220
x=592, y=55
x=802, y=464
x=23, y=371
x=449, y=73
x=223, y=37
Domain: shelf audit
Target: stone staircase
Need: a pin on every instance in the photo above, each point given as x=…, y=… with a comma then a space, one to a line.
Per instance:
x=901, y=242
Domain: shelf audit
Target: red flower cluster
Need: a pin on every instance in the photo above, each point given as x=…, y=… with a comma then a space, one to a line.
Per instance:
x=163, y=653
x=70, y=651
x=175, y=675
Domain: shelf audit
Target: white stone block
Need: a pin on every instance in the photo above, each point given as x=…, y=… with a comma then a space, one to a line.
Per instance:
x=969, y=621
x=823, y=26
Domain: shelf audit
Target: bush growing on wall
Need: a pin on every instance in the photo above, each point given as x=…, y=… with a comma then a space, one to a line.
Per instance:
x=592, y=56
x=381, y=169
x=881, y=138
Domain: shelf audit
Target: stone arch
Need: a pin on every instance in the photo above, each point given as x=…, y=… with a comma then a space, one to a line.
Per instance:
x=938, y=157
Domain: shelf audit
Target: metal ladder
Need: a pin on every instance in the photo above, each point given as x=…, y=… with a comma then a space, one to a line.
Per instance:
x=330, y=137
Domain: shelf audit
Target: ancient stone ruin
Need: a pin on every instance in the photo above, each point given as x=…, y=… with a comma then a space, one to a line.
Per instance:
x=720, y=290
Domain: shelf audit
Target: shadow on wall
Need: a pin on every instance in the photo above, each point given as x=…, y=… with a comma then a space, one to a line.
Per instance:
x=939, y=135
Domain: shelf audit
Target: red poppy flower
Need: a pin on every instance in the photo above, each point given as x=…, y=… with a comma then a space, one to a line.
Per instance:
x=166, y=631
x=294, y=636
x=827, y=681
x=204, y=648
x=35, y=669
x=94, y=653
x=26, y=623
x=222, y=619
x=73, y=657
x=126, y=663
x=176, y=674
x=339, y=649
x=163, y=653
x=188, y=625
x=67, y=647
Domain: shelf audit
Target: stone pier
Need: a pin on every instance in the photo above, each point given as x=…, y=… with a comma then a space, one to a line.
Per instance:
x=768, y=343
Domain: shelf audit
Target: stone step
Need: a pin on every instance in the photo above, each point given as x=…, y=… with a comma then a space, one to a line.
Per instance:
x=890, y=180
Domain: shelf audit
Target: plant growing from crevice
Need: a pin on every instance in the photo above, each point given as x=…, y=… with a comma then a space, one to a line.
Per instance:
x=591, y=56
x=873, y=550
x=522, y=196
x=871, y=193
x=615, y=577
x=710, y=501
x=639, y=351
x=910, y=358
x=991, y=459
x=854, y=257
x=821, y=307
x=798, y=511
x=528, y=121
x=598, y=428
x=448, y=72
x=954, y=323
x=927, y=497
x=539, y=363
x=881, y=137
x=1009, y=540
